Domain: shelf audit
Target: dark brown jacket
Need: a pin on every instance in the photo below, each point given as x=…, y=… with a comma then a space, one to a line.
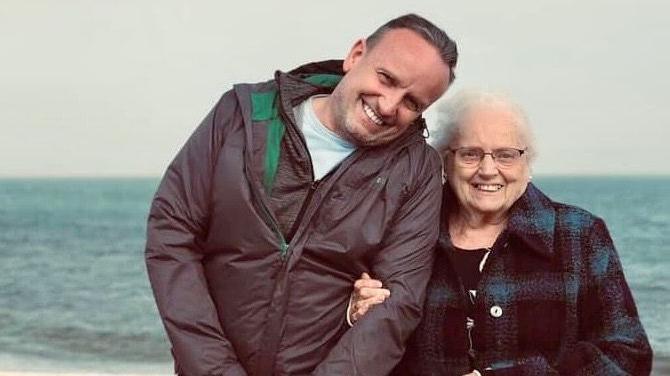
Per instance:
x=235, y=295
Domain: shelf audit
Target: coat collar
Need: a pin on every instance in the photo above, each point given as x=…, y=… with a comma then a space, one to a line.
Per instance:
x=532, y=219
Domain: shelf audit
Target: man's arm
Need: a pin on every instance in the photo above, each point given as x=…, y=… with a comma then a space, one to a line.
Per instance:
x=177, y=224
x=377, y=342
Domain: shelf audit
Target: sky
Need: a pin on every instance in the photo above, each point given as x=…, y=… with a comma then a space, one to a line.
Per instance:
x=114, y=88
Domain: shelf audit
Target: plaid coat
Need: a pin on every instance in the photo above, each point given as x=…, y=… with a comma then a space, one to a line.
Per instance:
x=552, y=300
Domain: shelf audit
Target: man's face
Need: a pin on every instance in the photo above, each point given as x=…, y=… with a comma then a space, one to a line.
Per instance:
x=386, y=88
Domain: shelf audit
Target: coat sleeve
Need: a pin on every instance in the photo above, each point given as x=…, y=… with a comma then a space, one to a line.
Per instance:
x=612, y=340
x=177, y=225
x=377, y=342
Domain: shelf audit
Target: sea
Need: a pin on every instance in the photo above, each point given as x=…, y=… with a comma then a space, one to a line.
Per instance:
x=74, y=294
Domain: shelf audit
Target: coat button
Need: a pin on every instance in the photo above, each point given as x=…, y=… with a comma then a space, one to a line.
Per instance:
x=496, y=311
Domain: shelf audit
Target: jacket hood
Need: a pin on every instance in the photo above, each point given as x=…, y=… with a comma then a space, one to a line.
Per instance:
x=320, y=67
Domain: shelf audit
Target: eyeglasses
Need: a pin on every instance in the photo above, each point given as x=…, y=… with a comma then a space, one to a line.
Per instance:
x=503, y=157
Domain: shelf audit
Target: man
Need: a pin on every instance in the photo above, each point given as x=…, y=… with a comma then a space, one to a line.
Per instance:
x=285, y=194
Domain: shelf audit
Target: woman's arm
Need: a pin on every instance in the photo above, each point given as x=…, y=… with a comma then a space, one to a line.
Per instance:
x=612, y=339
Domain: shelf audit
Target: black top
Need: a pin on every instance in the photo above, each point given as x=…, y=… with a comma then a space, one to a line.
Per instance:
x=466, y=264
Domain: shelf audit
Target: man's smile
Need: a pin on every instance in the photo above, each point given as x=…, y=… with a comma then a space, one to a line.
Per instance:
x=372, y=115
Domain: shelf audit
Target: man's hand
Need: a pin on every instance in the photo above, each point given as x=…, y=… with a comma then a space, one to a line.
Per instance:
x=367, y=293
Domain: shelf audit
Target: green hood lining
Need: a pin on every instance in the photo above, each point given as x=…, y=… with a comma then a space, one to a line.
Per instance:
x=264, y=107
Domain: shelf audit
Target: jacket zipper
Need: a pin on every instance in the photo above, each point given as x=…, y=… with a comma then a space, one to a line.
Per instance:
x=283, y=245
x=314, y=184
x=303, y=208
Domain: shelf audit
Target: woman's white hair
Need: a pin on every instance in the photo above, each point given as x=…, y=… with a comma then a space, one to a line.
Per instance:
x=450, y=115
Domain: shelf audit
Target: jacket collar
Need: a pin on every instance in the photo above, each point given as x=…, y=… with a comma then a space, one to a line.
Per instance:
x=532, y=219
x=296, y=86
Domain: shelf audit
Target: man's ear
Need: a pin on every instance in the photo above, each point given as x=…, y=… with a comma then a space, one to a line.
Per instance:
x=355, y=54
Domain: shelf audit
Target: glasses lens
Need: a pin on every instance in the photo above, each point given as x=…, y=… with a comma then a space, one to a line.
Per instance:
x=470, y=155
x=506, y=156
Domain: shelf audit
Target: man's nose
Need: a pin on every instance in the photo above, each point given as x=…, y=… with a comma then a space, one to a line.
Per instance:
x=389, y=103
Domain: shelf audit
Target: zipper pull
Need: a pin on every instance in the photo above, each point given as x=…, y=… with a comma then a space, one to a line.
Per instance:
x=469, y=323
x=472, y=353
x=283, y=248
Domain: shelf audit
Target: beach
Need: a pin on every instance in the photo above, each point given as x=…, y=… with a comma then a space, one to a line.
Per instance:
x=71, y=374
x=661, y=367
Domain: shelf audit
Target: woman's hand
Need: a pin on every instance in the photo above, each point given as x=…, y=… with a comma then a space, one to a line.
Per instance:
x=367, y=293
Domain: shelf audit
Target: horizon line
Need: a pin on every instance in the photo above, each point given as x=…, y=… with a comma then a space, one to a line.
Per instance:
x=538, y=175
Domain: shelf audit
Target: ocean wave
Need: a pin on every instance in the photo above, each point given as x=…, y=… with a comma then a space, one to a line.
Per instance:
x=78, y=343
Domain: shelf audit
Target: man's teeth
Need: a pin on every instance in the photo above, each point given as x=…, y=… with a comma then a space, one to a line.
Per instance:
x=488, y=187
x=372, y=115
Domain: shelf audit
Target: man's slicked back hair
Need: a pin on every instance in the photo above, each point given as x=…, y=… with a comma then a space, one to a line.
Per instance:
x=432, y=34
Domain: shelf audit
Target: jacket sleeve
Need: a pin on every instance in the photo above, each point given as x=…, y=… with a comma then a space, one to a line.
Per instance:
x=404, y=263
x=611, y=338
x=177, y=225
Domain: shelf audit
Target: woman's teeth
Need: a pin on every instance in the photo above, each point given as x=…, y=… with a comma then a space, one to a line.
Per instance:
x=488, y=187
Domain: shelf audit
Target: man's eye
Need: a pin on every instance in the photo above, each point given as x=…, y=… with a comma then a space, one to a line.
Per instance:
x=384, y=78
x=412, y=105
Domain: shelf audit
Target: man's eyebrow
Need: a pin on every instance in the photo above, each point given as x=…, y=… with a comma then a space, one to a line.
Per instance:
x=392, y=77
x=421, y=106
x=396, y=82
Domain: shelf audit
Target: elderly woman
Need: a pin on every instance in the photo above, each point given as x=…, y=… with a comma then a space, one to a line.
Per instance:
x=521, y=284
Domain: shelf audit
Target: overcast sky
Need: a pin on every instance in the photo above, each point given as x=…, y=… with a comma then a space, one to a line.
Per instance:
x=114, y=88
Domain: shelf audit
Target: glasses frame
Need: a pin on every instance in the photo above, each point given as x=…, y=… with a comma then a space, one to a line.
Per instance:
x=484, y=154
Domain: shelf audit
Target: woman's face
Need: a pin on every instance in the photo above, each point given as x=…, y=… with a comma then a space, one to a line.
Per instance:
x=487, y=188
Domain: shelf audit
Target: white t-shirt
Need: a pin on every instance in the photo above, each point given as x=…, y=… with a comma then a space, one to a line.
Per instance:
x=325, y=147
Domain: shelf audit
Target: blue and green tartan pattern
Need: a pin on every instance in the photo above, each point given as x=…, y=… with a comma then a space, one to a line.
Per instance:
x=566, y=306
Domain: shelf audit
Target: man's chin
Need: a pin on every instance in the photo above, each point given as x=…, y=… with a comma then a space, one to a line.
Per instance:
x=366, y=138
